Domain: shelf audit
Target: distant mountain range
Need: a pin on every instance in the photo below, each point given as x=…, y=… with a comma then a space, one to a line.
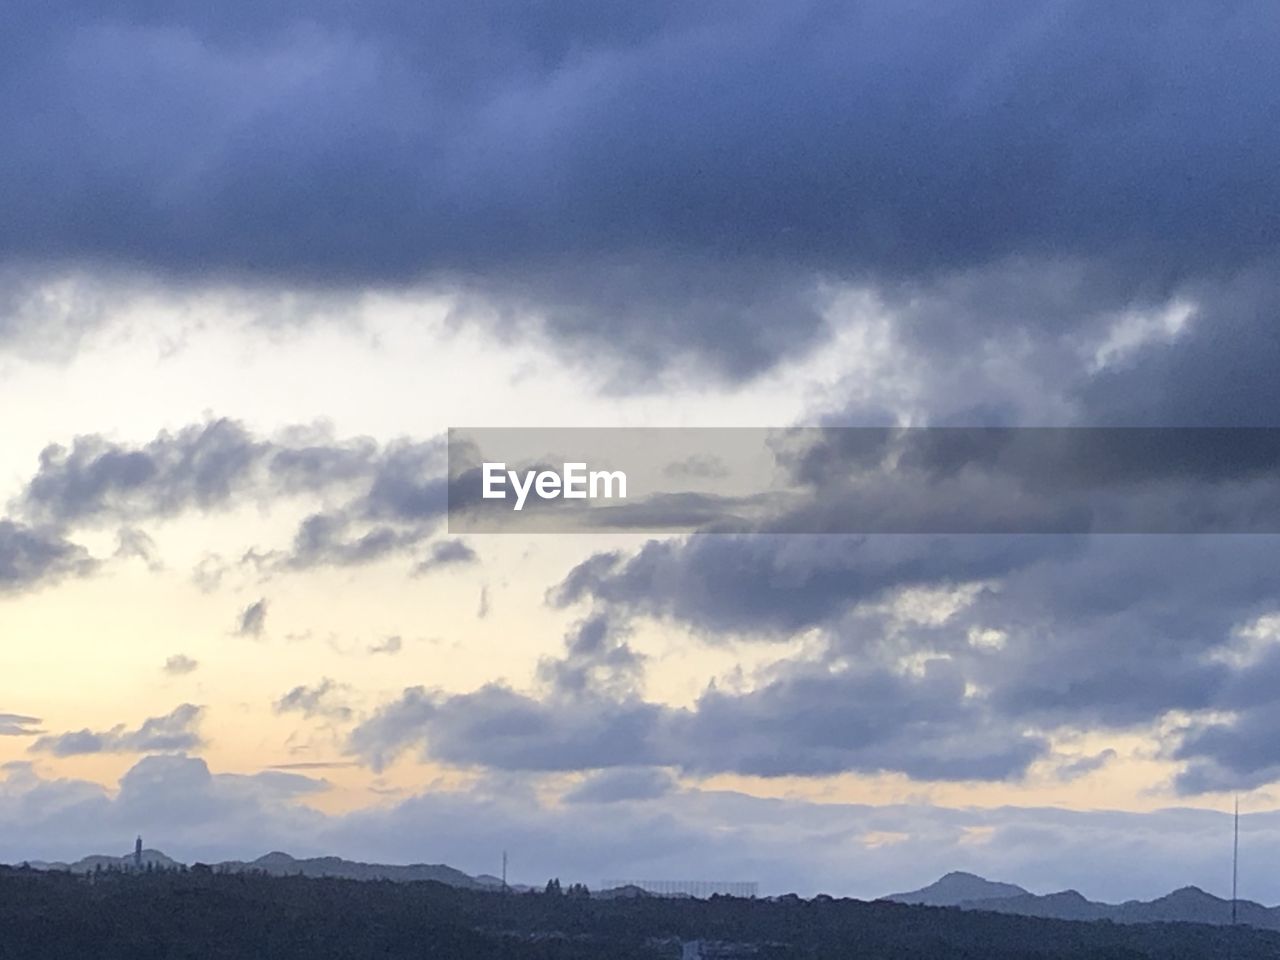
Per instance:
x=282, y=864
x=1189, y=904
x=957, y=888
x=965, y=891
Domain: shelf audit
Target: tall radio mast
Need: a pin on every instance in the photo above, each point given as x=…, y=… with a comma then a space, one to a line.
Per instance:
x=1235, y=862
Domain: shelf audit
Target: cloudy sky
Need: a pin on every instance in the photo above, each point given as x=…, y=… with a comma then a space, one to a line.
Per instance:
x=255, y=259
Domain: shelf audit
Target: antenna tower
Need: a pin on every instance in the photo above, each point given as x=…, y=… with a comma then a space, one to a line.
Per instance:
x=1235, y=862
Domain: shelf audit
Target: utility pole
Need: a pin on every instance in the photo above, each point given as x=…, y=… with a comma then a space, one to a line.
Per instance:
x=504, y=871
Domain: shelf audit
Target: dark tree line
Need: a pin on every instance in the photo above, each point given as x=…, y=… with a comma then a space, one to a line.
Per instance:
x=185, y=915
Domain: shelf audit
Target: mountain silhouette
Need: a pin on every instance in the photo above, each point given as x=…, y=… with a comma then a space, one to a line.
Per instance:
x=956, y=888
x=282, y=864
x=967, y=891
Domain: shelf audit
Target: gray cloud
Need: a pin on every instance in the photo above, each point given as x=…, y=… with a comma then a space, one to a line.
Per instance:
x=389, y=645
x=1239, y=752
x=446, y=553
x=322, y=700
x=17, y=725
x=253, y=619
x=327, y=540
x=618, y=786
x=592, y=169
x=182, y=805
x=1057, y=634
x=1216, y=374
x=198, y=467
x=208, y=573
x=777, y=585
x=220, y=463
x=495, y=726
x=597, y=658
x=180, y=664
x=381, y=501
x=840, y=848
x=33, y=557
x=804, y=726
x=174, y=732
x=135, y=543
x=809, y=719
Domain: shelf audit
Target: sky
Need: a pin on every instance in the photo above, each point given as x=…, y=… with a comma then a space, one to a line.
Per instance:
x=256, y=260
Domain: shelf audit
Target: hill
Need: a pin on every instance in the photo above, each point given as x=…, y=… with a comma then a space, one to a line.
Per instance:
x=279, y=864
x=956, y=888
x=98, y=861
x=1186, y=905
x=282, y=864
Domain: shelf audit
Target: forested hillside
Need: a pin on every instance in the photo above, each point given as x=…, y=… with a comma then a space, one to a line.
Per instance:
x=211, y=916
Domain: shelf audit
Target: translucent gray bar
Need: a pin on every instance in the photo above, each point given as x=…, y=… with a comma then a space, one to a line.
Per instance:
x=953, y=480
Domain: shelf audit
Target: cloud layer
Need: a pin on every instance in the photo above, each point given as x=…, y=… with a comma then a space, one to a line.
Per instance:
x=635, y=826
x=663, y=182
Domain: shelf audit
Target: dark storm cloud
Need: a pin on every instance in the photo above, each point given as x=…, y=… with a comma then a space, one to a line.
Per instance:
x=1092, y=634
x=32, y=557
x=1230, y=755
x=926, y=480
x=1221, y=372
x=1056, y=460
x=176, y=731
x=778, y=585
x=700, y=169
x=813, y=722
x=1235, y=748
x=1127, y=631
